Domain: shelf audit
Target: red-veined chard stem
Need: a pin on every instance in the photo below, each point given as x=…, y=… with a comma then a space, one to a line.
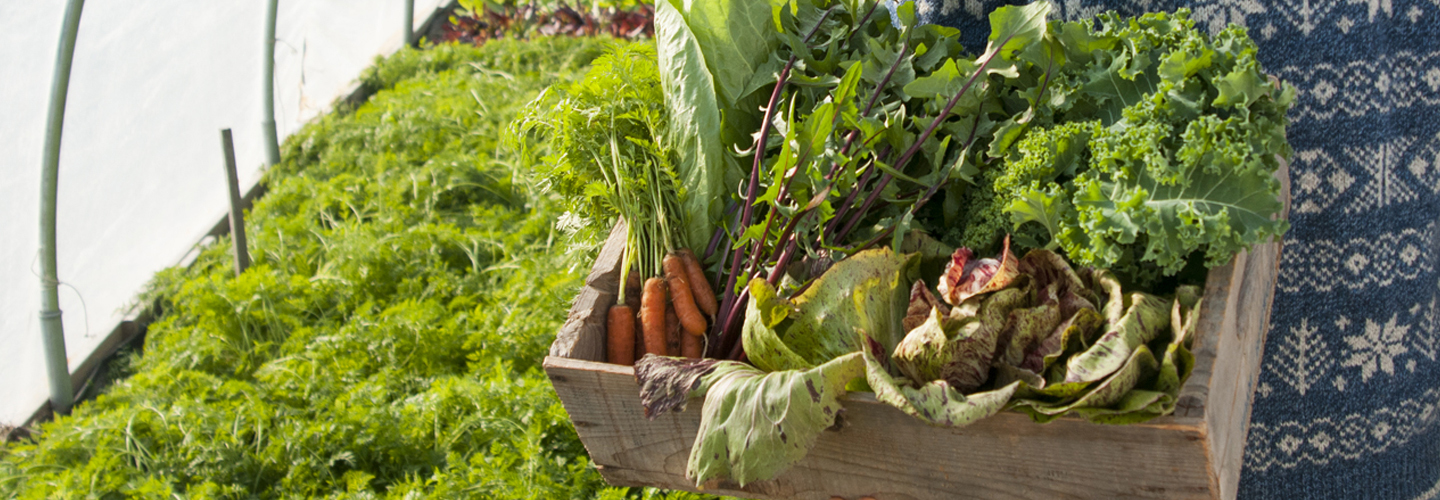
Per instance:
x=752, y=190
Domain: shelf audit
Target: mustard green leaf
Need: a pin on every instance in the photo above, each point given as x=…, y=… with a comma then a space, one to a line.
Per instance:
x=1014, y=27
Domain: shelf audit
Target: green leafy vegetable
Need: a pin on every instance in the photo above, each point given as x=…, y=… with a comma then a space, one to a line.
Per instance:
x=1157, y=144
x=865, y=293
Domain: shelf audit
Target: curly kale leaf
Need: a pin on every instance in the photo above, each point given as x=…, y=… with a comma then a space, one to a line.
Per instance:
x=1163, y=149
x=1221, y=199
x=1043, y=157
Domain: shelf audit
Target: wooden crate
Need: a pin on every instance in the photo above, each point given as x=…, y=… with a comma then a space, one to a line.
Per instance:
x=883, y=453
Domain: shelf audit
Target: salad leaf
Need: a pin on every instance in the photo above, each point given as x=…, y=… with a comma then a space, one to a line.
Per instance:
x=935, y=402
x=966, y=276
x=864, y=293
x=1137, y=366
x=1142, y=322
x=756, y=424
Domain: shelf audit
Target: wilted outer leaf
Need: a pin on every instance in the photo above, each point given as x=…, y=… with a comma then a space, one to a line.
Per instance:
x=694, y=122
x=865, y=292
x=757, y=424
x=935, y=403
x=666, y=382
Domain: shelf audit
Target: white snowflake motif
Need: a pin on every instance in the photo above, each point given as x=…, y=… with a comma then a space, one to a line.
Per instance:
x=1377, y=348
x=1219, y=13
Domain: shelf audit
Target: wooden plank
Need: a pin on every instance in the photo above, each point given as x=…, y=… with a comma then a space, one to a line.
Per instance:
x=1196, y=392
x=583, y=334
x=884, y=453
x=1240, y=341
x=1231, y=419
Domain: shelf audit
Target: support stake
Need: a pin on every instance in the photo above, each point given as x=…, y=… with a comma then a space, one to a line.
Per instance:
x=267, y=85
x=237, y=210
x=52, y=329
x=410, y=23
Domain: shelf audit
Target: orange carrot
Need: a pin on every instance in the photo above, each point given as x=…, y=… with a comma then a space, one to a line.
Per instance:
x=620, y=335
x=692, y=346
x=652, y=316
x=680, y=297
x=699, y=284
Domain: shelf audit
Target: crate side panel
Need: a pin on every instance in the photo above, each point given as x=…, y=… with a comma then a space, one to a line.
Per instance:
x=1242, y=343
x=884, y=453
x=604, y=405
x=1195, y=395
x=583, y=334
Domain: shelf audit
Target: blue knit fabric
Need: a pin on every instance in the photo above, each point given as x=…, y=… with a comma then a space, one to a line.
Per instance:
x=1348, y=404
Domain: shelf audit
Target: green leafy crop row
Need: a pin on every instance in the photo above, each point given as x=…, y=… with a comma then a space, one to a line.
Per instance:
x=386, y=341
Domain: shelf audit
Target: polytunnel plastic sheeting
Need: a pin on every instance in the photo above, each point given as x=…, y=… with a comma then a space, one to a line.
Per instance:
x=141, y=171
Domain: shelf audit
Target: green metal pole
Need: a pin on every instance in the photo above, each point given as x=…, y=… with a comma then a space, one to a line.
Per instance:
x=410, y=23
x=268, y=132
x=237, y=210
x=51, y=328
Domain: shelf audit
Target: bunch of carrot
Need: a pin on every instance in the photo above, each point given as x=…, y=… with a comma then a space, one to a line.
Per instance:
x=678, y=329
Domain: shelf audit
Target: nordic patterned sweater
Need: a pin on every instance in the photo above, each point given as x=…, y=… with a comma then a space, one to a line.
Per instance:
x=1348, y=402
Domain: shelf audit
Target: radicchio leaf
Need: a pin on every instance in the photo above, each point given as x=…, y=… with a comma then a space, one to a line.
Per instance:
x=923, y=353
x=1027, y=328
x=936, y=402
x=1140, y=365
x=1074, y=335
x=921, y=303
x=965, y=276
x=1046, y=267
x=1145, y=319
